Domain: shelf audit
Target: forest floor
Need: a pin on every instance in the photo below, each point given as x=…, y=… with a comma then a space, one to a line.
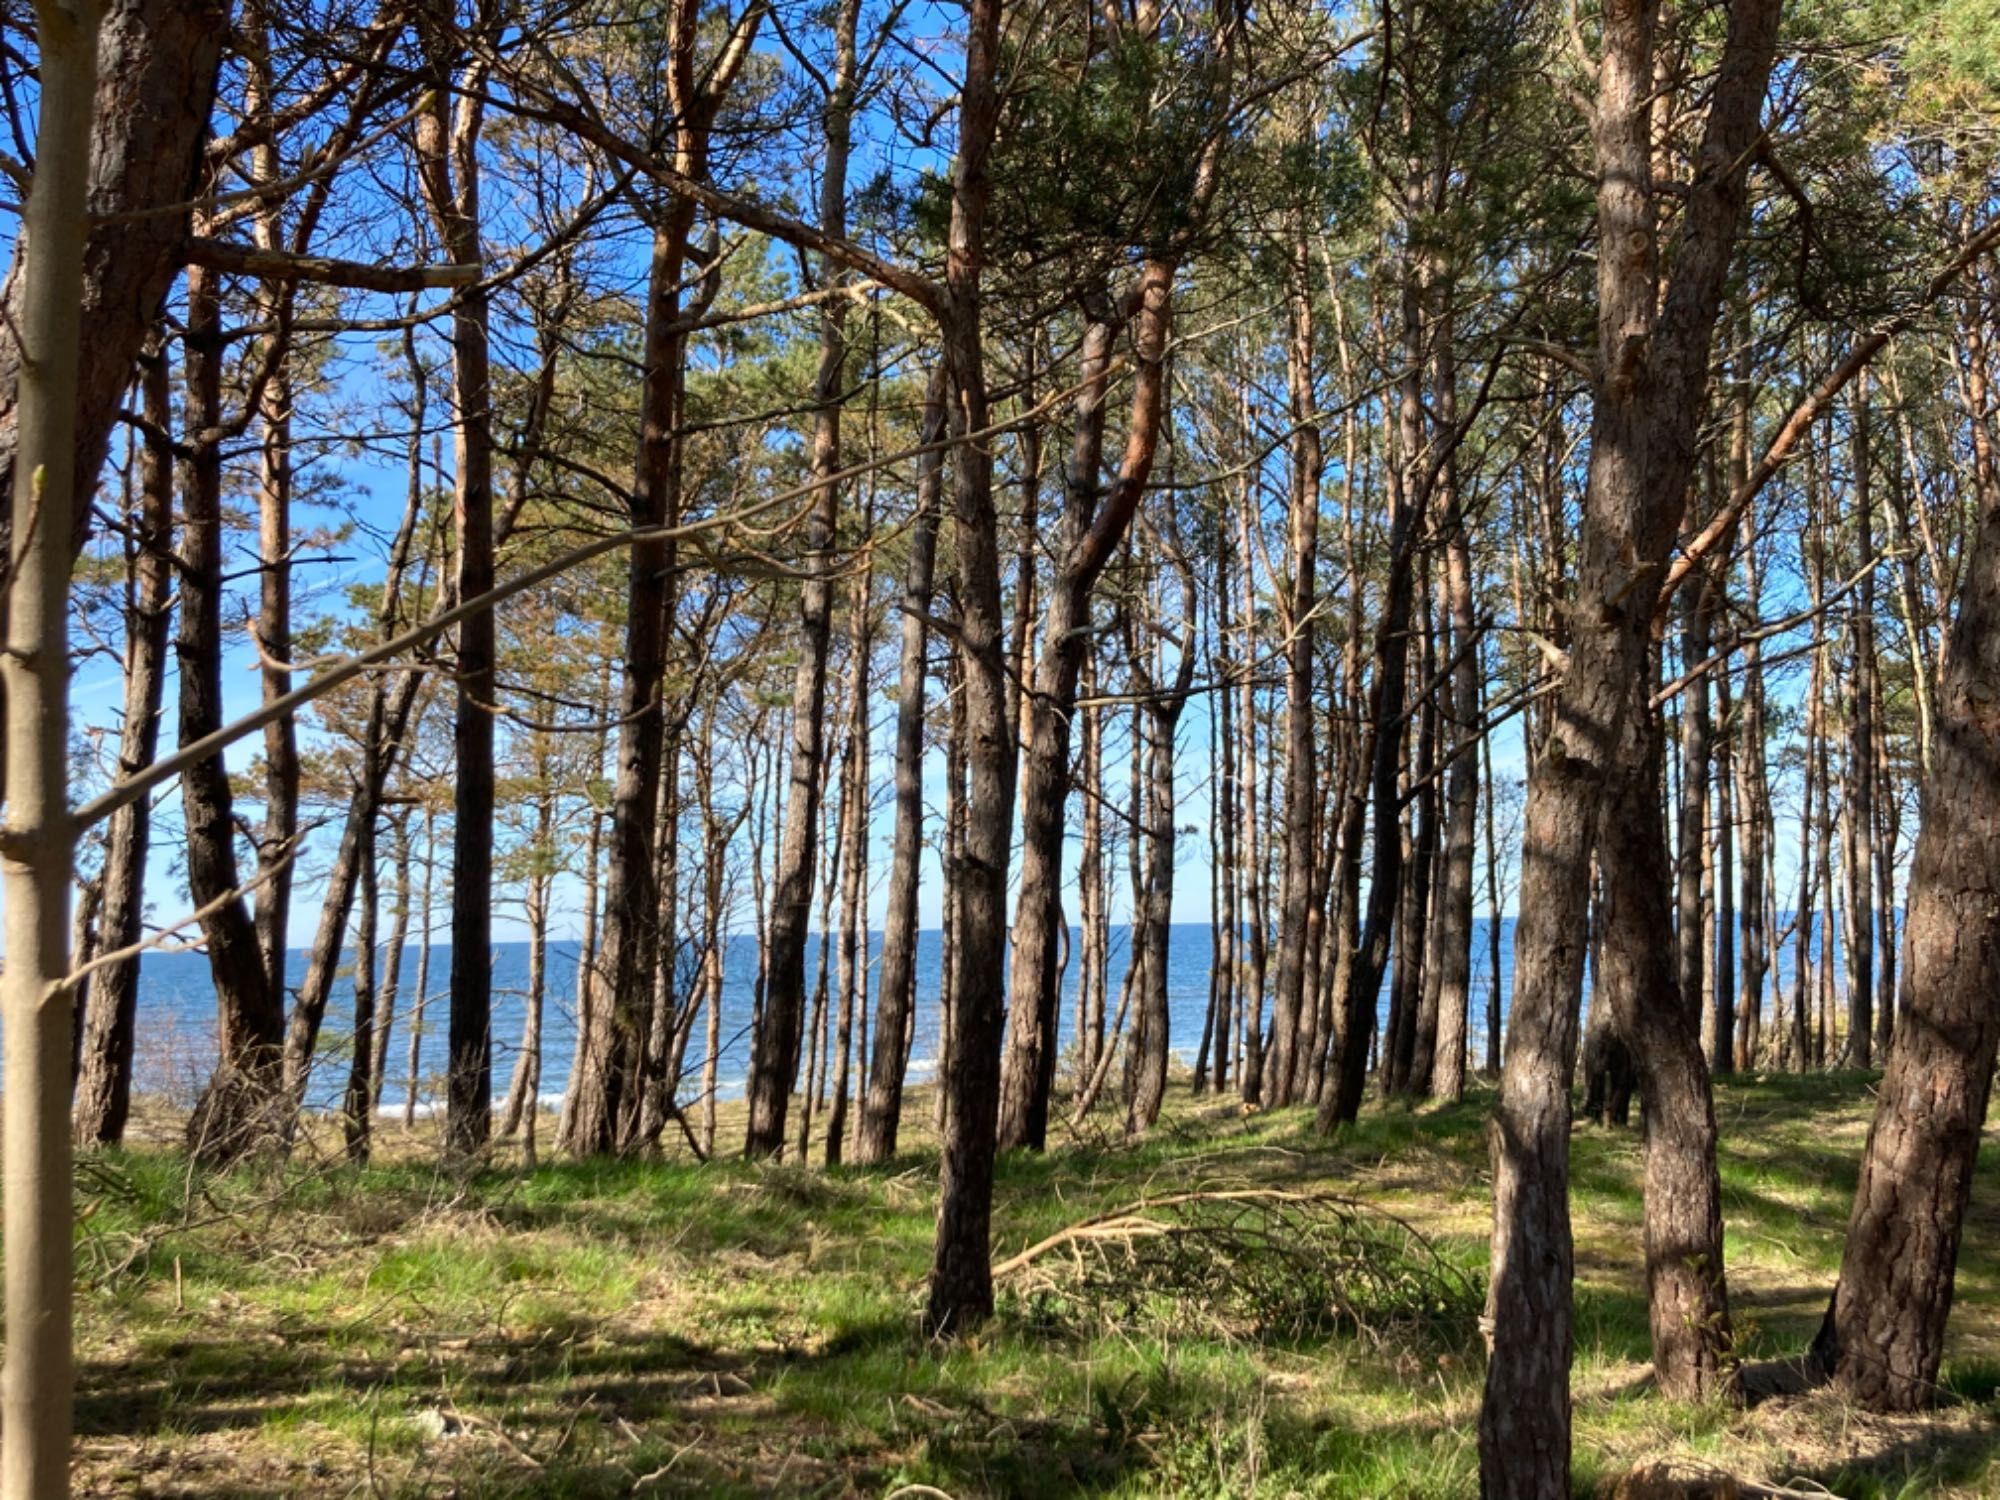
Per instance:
x=673, y=1328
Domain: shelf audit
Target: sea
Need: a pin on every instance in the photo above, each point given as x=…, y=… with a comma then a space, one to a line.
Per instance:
x=177, y=1014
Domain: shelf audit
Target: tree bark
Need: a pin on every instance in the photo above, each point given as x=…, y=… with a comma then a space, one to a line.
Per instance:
x=423, y=969
x=1163, y=707
x=104, y=1086
x=234, y=1112
x=1283, y=1075
x=961, y=1288
x=39, y=839
x=156, y=68
x=1647, y=398
x=1452, y=943
x=1092, y=533
x=1883, y=1339
x=852, y=980
x=357, y=1102
x=448, y=169
x=882, y=1105
x=774, y=1069
x=399, y=935
x=1861, y=771
x=1687, y=1296
x=1028, y=1067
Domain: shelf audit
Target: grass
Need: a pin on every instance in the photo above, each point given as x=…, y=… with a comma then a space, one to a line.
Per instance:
x=673, y=1328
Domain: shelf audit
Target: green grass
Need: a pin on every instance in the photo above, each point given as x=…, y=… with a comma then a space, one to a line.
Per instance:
x=673, y=1328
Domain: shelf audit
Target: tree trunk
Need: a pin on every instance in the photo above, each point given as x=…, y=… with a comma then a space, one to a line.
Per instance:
x=39, y=838
x=156, y=68
x=1093, y=977
x=604, y=1080
x=1861, y=763
x=234, y=1112
x=1418, y=885
x=882, y=1105
x=523, y=1092
x=774, y=1069
x=1493, y=920
x=1251, y=1010
x=1283, y=1074
x=1409, y=491
x=423, y=970
x=1163, y=707
x=1696, y=631
x=1151, y=1040
x=813, y=1094
x=961, y=1288
x=1687, y=1296
x=391, y=707
x=1452, y=943
x=854, y=863
x=1028, y=1068
x=104, y=1087
x=1883, y=1339
x=447, y=140
x=1092, y=534
x=1800, y=1038
x=399, y=936
x=1223, y=817
x=1722, y=974
x=1647, y=400
x=276, y=848
x=356, y=1106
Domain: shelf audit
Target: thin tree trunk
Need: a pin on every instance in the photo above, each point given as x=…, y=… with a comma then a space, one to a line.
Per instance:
x=39, y=838
x=1419, y=885
x=104, y=1086
x=356, y=1109
x=854, y=863
x=1800, y=1042
x=524, y=1090
x=274, y=848
x=423, y=970
x=1410, y=480
x=1284, y=1074
x=813, y=1096
x=1223, y=815
x=234, y=1111
x=1861, y=763
x=448, y=168
x=1163, y=707
x=1251, y=1011
x=1092, y=534
x=882, y=1105
x=399, y=936
x=1493, y=920
x=1452, y=943
x=1722, y=1005
x=1093, y=976
x=775, y=1066
x=1696, y=633
x=961, y=1288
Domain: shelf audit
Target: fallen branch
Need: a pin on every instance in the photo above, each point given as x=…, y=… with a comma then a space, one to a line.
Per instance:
x=1248, y=1259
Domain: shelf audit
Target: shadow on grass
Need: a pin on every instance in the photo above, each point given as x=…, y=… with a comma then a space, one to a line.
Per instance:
x=1915, y=1457
x=579, y=1411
